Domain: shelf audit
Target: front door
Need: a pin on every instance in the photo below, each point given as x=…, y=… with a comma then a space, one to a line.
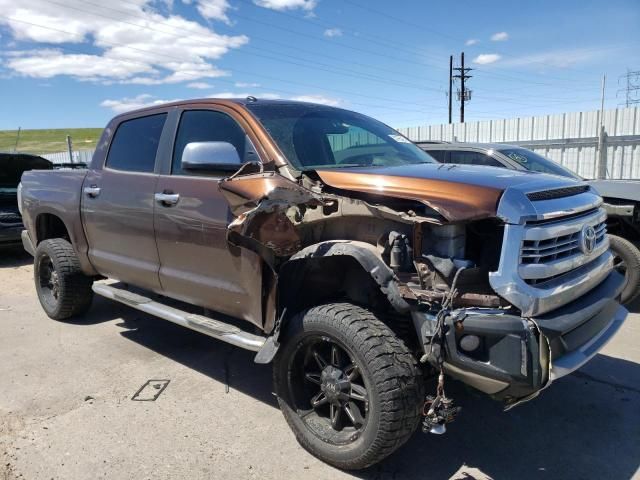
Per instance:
x=197, y=264
x=117, y=205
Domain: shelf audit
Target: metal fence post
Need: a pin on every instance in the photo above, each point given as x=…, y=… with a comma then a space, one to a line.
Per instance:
x=70, y=148
x=602, y=153
x=15, y=148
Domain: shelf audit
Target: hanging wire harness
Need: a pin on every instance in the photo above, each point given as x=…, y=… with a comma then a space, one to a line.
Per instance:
x=439, y=410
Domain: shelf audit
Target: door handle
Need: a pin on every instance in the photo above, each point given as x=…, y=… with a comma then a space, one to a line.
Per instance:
x=167, y=199
x=92, y=191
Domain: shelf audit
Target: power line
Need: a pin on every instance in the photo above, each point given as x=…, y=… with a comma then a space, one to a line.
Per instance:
x=263, y=39
x=281, y=80
x=241, y=71
x=333, y=42
x=270, y=55
x=424, y=27
x=397, y=45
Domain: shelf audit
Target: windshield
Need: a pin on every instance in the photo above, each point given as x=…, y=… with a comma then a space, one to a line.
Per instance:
x=537, y=163
x=317, y=136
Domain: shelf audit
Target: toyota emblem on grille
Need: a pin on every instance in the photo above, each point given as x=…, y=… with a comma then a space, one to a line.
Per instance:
x=588, y=239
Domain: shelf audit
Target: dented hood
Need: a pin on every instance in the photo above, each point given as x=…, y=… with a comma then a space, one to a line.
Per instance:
x=457, y=192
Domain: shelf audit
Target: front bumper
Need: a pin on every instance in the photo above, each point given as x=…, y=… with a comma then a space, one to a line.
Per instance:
x=519, y=356
x=27, y=243
x=577, y=332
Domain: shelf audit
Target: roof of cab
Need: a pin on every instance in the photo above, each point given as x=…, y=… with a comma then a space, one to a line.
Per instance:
x=230, y=102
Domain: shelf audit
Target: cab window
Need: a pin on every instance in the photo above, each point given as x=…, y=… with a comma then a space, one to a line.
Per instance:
x=135, y=144
x=206, y=126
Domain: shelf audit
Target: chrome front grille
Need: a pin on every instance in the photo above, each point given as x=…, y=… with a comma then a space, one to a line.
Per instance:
x=550, y=255
x=551, y=250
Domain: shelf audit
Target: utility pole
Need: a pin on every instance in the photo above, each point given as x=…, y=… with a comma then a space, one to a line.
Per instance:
x=464, y=94
x=450, y=88
x=632, y=87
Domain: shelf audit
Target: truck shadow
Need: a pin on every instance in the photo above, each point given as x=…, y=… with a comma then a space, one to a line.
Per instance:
x=585, y=426
x=581, y=427
x=222, y=362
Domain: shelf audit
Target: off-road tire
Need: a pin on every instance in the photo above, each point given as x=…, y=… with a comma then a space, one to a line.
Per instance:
x=390, y=370
x=74, y=294
x=627, y=252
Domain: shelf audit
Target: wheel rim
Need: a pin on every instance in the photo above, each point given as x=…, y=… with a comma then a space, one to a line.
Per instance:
x=48, y=280
x=328, y=390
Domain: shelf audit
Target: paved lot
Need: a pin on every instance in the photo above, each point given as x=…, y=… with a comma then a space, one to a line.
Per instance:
x=66, y=410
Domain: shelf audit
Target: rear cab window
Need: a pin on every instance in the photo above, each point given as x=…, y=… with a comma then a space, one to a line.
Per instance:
x=135, y=144
x=464, y=157
x=439, y=155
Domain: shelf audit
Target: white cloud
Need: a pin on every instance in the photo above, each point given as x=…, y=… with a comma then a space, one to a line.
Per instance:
x=247, y=85
x=486, y=58
x=213, y=9
x=200, y=85
x=471, y=41
x=307, y=5
x=128, y=104
x=333, y=32
x=500, y=37
x=317, y=99
x=50, y=63
x=134, y=45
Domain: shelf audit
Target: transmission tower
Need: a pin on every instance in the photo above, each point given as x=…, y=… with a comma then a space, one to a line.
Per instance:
x=631, y=87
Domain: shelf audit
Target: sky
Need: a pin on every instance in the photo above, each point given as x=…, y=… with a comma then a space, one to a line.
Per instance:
x=77, y=63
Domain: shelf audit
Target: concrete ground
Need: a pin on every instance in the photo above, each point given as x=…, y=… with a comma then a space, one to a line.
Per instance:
x=66, y=408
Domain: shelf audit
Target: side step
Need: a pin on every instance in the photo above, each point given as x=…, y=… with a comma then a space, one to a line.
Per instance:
x=213, y=328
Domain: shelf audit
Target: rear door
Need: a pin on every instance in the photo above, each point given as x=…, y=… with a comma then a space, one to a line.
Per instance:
x=117, y=204
x=197, y=264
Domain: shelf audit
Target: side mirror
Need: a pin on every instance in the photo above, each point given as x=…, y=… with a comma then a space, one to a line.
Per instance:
x=209, y=156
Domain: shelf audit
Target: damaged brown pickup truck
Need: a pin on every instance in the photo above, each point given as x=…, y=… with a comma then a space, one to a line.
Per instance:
x=329, y=244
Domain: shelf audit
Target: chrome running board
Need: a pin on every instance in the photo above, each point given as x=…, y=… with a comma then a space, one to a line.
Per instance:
x=213, y=328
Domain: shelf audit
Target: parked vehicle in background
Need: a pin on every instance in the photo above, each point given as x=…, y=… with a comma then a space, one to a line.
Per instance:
x=362, y=262
x=621, y=197
x=12, y=166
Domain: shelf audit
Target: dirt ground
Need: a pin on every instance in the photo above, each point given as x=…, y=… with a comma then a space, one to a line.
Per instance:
x=66, y=408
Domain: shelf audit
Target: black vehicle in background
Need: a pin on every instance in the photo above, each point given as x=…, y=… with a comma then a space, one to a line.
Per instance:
x=621, y=197
x=12, y=166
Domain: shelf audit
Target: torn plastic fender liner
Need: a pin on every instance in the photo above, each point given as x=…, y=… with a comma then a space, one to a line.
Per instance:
x=263, y=204
x=368, y=258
